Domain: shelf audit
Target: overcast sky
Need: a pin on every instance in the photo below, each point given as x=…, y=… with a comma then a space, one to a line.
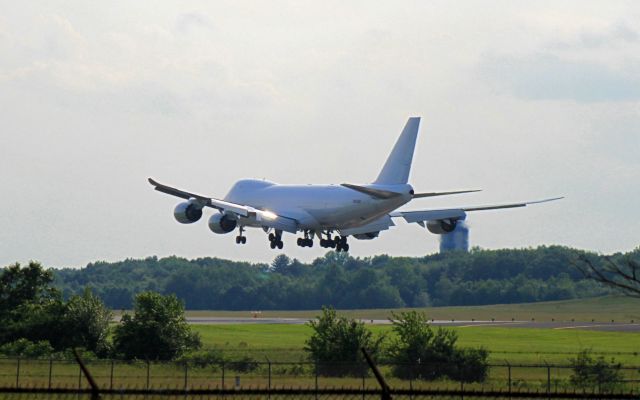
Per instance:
x=523, y=100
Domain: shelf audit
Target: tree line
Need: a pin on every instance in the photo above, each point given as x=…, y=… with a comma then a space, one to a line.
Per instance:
x=337, y=279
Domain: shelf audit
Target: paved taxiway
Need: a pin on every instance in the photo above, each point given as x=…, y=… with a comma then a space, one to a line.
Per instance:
x=595, y=326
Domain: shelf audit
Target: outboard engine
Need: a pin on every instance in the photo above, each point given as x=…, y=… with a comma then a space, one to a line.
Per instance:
x=187, y=212
x=441, y=226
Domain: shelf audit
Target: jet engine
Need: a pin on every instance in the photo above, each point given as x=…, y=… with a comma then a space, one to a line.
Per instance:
x=222, y=223
x=187, y=212
x=367, y=236
x=441, y=226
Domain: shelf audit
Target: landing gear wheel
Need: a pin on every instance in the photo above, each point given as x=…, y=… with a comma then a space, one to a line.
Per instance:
x=238, y=239
x=299, y=242
x=280, y=244
x=272, y=244
x=244, y=240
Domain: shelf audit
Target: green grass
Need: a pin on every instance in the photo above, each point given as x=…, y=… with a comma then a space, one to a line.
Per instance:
x=622, y=309
x=517, y=345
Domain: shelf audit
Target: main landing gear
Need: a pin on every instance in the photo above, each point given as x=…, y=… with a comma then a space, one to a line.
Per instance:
x=241, y=239
x=339, y=242
x=306, y=241
x=275, y=240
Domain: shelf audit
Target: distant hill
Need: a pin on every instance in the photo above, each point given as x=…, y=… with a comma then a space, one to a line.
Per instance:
x=476, y=278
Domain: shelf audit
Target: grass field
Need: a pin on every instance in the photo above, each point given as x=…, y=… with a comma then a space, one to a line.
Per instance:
x=517, y=345
x=598, y=309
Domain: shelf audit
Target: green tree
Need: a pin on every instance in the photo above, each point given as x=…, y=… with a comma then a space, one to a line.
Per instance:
x=590, y=373
x=88, y=319
x=336, y=342
x=420, y=353
x=30, y=307
x=157, y=330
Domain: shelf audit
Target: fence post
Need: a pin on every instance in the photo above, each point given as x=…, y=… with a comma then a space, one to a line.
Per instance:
x=18, y=373
x=79, y=377
x=269, y=382
x=411, y=387
x=186, y=372
x=548, y=379
x=316, y=371
x=148, y=370
x=222, y=374
x=111, y=376
x=50, y=368
x=509, y=376
x=363, y=382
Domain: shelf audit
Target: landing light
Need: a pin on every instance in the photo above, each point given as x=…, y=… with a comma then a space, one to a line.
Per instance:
x=269, y=215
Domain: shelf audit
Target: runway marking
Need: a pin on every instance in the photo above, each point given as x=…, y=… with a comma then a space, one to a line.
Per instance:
x=579, y=326
x=595, y=326
x=490, y=324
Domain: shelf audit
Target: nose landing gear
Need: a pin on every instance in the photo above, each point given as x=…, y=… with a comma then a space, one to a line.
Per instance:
x=241, y=239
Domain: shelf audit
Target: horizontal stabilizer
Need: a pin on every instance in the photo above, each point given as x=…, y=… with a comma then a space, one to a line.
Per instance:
x=434, y=194
x=377, y=193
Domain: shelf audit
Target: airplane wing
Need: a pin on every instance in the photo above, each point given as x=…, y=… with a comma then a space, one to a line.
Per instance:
x=457, y=213
x=266, y=218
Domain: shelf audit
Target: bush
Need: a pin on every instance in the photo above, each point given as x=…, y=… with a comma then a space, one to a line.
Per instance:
x=590, y=373
x=469, y=365
x=420, y=353
x=157, y=330
x=336, y=342
x=88, y=318
x=204, y=358
x=27, y=349
x=244, y=364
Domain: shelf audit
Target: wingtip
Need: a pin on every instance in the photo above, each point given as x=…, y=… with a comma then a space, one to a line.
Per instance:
x=151, y=181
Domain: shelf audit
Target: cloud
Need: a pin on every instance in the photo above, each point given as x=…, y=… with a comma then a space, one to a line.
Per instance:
x=587, y=64
x=545, y=76
x=188, y=21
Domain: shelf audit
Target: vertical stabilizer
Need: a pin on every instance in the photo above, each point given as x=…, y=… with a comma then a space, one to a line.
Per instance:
x=397, y=167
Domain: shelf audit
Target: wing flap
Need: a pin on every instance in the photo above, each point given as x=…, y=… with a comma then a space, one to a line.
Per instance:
x=265, y=218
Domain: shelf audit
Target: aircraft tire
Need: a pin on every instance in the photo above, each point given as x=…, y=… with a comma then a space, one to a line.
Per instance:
x=280, y=244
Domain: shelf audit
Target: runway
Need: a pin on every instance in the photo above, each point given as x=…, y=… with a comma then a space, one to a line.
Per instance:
x=594, y=326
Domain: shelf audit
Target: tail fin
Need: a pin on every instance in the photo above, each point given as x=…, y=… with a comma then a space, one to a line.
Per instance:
x=396, y=169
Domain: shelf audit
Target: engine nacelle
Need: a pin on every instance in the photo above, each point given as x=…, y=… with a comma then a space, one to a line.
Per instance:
x=187, y=213
x=367, y=236
x=441, y=226
x=222, y=223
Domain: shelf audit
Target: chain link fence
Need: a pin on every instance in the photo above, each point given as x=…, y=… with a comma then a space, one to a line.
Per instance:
x=117, y=375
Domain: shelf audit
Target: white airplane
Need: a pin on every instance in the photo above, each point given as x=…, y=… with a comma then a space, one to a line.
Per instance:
x=329, y=212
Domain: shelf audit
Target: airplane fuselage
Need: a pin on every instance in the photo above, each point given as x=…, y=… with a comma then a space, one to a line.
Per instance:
x=317, y=207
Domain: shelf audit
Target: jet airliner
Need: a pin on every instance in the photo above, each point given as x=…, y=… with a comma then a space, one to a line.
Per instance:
x=330, y=213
